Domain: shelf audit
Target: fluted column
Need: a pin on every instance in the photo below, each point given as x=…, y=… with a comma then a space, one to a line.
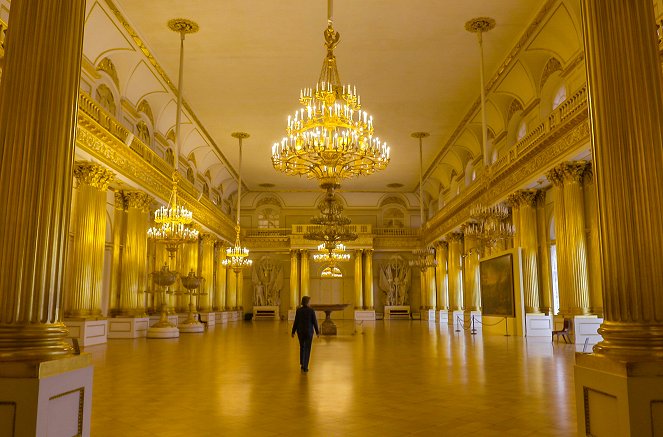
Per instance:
x=220, y=278
x=627, y=133
x=119, y=230
x=441, y=276
x=188, y=261
x=231, y=290
x=431, y=301
x=529, y=242
x=423, y=290
x=545, y=276
x=294, y=279
x=359, y=280
x=593, y=245
x=87, y=251
x=455, y=274
x=368, y=279
x=305, y=273
x=133, y=275
x=240, y=290
x=37, y=125
x=555, y=176
x=471, y=276
x=207, y=272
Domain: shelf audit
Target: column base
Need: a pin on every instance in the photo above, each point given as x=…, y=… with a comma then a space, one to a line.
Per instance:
x=618, y=398
x=364, y=314
x=221, y=317
x=172, y=318
x=128, y=327
x=428, y=314
x=457, y=318
x=88, y=332
x=442, y=317
x=47, y=398
x=538, y=325
x=208, y=318
x=472, y=322
x=585, y=329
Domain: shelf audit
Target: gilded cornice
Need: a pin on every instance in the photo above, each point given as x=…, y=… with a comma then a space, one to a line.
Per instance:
x=100, y=143
x=94, y=175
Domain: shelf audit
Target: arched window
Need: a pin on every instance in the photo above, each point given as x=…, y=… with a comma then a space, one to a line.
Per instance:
x=560, y=96
x=143, y=133
x=104, y=96
x=393, y=218
x=522, y=131
x=170, y=156
x=189, y=175
x=268, y=218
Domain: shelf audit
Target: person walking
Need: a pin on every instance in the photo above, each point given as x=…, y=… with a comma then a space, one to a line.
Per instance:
x=304, y=325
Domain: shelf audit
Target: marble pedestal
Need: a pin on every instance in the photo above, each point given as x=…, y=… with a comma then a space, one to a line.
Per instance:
x=538, y=325
x=442, y=317
x=472, y=322
x=208, y=318
x=428, y=315
x=396, y=312
x=52, y=398
x=128, y=327
x=221, y=317
x=622, y=399
x=364, y=314
x=457, y=320
x=585, y=330
x=88, y=332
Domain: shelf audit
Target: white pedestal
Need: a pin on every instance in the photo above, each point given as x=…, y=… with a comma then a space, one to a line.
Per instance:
x=291, y=315
x=618, y=398
x=364, y=314
x=88, y=332
x=586, y=328
x=457, y=318
x=538, y=325
x=221, y=317
x=128, y=327
x=442, y=317
x=209, y=318
x=52, y=398
x=266, y=312
x=473, y=322
x=396, y=312
x=428, y=315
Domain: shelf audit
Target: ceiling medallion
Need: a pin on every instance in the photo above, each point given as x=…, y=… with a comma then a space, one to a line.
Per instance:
x=183, y=25
x=330, y=138
x=480, y=24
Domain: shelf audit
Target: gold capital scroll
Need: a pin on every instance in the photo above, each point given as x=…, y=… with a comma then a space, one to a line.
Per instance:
x=37, y=125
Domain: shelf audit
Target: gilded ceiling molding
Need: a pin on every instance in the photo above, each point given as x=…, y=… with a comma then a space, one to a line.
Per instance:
x=501, y=72
x=150, y=57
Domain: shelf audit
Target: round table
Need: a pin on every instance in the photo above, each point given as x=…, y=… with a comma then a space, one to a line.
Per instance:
x=328, y=326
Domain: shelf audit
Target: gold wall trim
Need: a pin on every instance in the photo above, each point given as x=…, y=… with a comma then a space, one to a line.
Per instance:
x=152, y=174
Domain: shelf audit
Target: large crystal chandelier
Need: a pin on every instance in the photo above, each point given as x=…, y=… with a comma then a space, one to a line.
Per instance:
x=237, y=257
x=174, y=222
x=330, y=138
x=489, y=225
x=331, y=226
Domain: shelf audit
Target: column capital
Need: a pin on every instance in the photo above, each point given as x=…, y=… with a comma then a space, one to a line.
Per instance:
x=455, y=237
x=138, y=199
x=369, y=252
x=94, y=175
x=208, y=239
x=120, y=203
x=556, y=176
x=528, y=197
x=574, y=171
x=441, y=244
x=513, y=200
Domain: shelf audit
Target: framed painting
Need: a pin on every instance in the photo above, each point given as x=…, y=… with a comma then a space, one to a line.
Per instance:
x=497, y=297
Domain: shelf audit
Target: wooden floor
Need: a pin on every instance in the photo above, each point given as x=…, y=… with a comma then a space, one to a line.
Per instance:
x=390, y=378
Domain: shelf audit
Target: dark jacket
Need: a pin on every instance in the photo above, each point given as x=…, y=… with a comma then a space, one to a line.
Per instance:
x=305, y=322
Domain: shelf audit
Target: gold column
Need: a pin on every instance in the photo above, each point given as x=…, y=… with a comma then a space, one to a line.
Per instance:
x=545, y=277
x=359, y=280
x=133, y=275
x=87, y=251
x=555, y=176
x=431, y=301
x=513, y=201
x=240, y=290
x=220, y=277
x=455, y=274
x=594, y=251
x=529, y=242
x=188, y=262
x=231, y=289
x=38, y=104
x=626, y=111
x=441, y=276
x=305, y=274
x=294, y=279
x=368, y=279
x=119, y=226
x=207, y=272
x=423, y=290
x=471, y=275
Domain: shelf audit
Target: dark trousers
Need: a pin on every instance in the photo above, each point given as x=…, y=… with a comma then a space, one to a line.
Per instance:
x=304, y=351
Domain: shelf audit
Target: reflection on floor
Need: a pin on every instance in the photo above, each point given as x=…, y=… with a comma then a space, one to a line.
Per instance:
x=384, y=379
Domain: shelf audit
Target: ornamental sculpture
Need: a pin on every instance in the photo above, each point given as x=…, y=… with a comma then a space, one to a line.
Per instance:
x=395, y=279
x=267, y=282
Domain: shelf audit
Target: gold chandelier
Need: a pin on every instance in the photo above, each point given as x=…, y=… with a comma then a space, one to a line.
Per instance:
x=330, y=138
x=331, y=271
x=174, y=223
x=489, y=225
x=332, y=227
x=237, y=257
x=336, y=254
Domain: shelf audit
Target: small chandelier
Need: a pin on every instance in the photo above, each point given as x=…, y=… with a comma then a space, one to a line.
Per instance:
x=332, y=227
x=174, y=223
x=331, y=137
x=237, y=256
x=423, y=258
x=336, y=254
x=489, y=225
x=331, y=271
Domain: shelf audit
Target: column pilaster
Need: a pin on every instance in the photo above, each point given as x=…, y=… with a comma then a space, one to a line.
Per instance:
x=220, y=278
x=119, y=231
x=294, y=279
x=529, y=242
x=593, y=245
x=368, y=279
x=455, y=240
x=305, y=273
x=472, y=278
x=441, y=276
x=545, y=276
x=359, y=280
x=231, y=289
x=207, y=272
x=87, y=251
x=188, y=261
x=555, y=176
